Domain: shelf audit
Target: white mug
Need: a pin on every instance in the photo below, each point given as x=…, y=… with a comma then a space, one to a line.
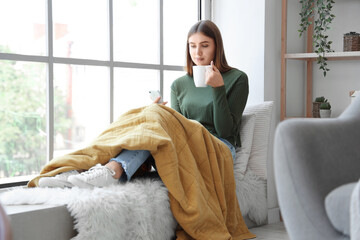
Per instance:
x=199, y=75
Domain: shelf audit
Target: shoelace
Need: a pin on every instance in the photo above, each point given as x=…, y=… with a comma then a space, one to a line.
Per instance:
x=97, y=171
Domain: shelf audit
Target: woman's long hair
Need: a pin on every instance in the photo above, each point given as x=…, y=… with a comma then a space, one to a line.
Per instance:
x=209, y=29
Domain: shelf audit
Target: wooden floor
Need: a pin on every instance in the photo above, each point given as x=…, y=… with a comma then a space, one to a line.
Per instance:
x=275, y=231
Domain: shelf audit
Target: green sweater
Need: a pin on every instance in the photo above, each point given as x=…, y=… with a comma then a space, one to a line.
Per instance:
x=218, y=109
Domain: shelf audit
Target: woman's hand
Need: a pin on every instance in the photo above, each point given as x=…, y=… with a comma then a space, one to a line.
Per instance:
x=213, y=76
x=157, y=101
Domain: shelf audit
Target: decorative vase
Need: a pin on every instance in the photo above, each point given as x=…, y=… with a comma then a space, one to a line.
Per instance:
x=325, y=113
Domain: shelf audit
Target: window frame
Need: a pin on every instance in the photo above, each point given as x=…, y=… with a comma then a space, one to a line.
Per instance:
x=204, y=12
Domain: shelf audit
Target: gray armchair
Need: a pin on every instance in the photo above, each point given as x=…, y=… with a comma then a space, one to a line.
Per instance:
x=311, y=158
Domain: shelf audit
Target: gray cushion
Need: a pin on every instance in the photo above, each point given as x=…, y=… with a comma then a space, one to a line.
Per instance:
x=337, y=205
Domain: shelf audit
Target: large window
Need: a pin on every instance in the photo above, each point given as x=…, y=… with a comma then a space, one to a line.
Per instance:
x=68, y=68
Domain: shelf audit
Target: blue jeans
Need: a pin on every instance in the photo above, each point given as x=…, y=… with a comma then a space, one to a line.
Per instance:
x=230, y=146
x=131, y=160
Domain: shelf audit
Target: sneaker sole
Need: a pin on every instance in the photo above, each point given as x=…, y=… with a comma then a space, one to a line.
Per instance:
x=79, y=183
x=50, y=182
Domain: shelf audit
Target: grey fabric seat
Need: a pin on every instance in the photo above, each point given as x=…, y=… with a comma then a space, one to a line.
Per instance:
x=311, y=158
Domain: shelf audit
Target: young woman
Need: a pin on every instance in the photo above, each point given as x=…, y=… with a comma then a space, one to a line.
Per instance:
x=218, y=107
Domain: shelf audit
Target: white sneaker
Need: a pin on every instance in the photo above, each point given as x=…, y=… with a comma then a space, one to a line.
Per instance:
x=97, y=176
x=59, y=180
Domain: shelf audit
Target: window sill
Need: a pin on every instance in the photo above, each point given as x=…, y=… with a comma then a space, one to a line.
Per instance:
x=40, y=222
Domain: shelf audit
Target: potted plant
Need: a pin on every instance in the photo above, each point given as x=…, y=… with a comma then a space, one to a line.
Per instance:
x=325, y=109
x=319, y=13
x=316, y=106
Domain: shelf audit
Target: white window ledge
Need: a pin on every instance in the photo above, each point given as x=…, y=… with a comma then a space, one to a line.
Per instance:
x=40, y=222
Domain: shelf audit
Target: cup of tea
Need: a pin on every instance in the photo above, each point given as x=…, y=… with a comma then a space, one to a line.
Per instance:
x=199, y=75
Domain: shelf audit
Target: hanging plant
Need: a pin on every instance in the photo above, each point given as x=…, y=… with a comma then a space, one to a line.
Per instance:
x=320, y=11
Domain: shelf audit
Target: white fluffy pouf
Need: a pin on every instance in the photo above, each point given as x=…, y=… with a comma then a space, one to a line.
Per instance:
x=136, y=210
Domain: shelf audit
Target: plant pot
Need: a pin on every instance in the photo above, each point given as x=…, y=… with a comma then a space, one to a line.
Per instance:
x=316, y=107
x=325, y=113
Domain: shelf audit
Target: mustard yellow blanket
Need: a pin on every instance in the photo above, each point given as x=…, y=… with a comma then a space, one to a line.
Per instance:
x=195, y=166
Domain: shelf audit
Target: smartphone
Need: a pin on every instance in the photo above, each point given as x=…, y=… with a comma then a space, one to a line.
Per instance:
x=154, y=94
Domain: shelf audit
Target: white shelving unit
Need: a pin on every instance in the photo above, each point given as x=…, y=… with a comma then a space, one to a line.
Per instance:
x=329, y=56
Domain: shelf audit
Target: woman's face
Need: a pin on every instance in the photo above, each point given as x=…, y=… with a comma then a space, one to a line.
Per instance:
x=202, y=49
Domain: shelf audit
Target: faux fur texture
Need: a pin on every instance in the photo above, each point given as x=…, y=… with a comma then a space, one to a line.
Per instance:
x=136, y=210
x=251, y=194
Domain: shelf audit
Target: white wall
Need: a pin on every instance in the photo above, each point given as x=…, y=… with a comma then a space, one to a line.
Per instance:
x=251, y=34
x=244, y=42
x=272, y=86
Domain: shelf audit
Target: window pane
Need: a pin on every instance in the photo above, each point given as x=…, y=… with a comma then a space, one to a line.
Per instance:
x=22, y=27
x=176, y=27
x=81, y=105
x=131, y=88
x=22, y=118
x=169, y=78
x=136, y=31
x=81, y=29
